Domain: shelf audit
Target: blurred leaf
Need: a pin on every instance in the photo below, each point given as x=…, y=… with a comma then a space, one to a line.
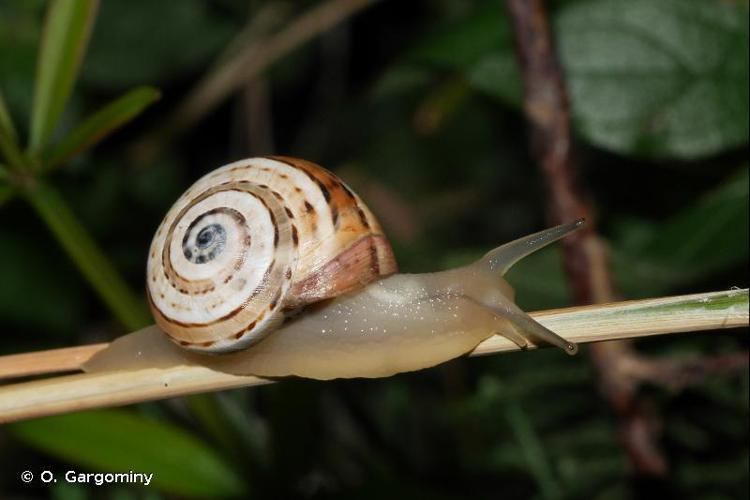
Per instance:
x=20, y=28
x=400, y=79
x=206, y=410
x=121, y=441
x=10, y=151
x=6, y=192
x=497, y=75
x=66, y=491
x=171, y=38
x=532, y=450
x=658, y=79
x=539, y=280
x=481, y=46
x=706, y=237
x=8, y=138
x=28, y=270
x=709, y=235
x=440, y=105
x=100, y=124
x=463, y=42
x=66, y=32
x=92, y=263
x=155, y=187
x=6, y=123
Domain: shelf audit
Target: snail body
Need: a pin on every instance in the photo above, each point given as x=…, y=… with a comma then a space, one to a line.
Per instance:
x=358, y=318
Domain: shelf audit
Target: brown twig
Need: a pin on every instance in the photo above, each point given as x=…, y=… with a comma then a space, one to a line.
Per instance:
x=620, y=367
x=677, y=374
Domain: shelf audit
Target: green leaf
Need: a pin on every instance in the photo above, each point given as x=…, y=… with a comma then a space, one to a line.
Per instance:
x=6, y=192
x=532, y=450
x=481, y=46
x=206, y=410
x=66, y=33
x=657, y=79
x=121, y=441
x=93, y=264
x=709, y=236
x=6, y=123
x=11, y=152
x=497, y=75
x=100, y=124
x=173, y=39
x=29, y=270
x=467, y=40
x=539, y=280
x=8, y=138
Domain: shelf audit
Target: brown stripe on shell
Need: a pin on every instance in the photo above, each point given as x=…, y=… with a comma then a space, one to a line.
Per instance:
x=315, y=173
x=235, y=336
x=247, y=328
x=375, y=262
x=231, y=314
x=335, y=216
x=295, y=235
x=166, y=319
x=362, y=217
x=324, y=190
x=340, y=198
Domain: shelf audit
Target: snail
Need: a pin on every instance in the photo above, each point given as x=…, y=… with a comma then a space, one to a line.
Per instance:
x=274, y=267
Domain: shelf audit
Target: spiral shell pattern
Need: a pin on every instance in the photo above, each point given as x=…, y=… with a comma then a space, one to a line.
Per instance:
x=254, y=240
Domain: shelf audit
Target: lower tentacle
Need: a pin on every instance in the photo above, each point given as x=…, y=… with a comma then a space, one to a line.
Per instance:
x=538, y=331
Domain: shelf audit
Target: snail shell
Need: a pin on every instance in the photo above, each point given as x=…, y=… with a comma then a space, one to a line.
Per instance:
x=253, y=241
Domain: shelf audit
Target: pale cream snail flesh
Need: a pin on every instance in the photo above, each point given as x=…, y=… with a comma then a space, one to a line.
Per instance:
x=273, y=267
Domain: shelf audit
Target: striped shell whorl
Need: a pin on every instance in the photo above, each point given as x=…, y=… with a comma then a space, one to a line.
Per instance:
x=253, y=240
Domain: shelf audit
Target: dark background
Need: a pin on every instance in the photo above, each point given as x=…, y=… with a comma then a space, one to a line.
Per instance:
x=417, y=105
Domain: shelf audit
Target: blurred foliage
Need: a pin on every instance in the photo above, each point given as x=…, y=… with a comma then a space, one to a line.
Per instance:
x=87, y=438
x=417, y=105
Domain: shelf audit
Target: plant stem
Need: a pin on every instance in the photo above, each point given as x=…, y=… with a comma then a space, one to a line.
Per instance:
x=91, y=261
x=620, y=320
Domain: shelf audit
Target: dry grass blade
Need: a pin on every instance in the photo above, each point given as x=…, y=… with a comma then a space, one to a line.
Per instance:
x=579, y=324
x=252, y=53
